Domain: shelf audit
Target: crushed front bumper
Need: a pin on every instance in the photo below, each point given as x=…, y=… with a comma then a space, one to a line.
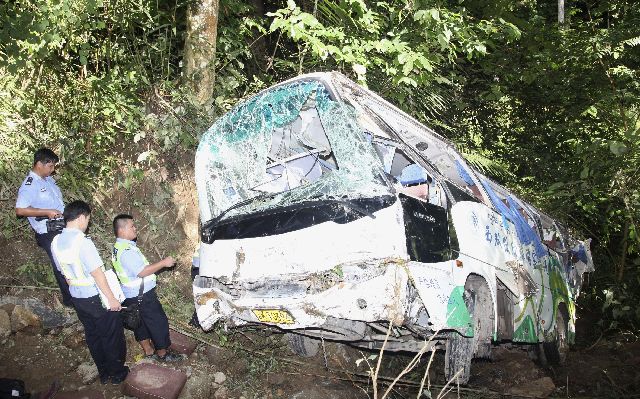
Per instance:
x=364, y=292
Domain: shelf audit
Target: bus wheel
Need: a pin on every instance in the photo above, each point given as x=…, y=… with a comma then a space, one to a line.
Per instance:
x=459, y=349
x=483, y=319
x=556, y=350
x=457, y=361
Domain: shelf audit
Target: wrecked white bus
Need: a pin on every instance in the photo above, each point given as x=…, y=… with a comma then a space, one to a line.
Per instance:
x=330, y=213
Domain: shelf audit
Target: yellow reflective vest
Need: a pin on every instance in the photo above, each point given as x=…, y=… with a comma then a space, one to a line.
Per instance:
x=126, y=280
x=70, y=264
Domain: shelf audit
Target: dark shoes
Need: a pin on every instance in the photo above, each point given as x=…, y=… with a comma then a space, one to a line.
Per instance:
x=169, y=357
x=115, y=379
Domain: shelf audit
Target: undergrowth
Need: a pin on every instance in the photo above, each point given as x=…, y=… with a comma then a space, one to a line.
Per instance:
x=36, y=273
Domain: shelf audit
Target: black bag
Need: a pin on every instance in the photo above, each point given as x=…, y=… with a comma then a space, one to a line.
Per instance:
x=131, y=314
x=11, y=389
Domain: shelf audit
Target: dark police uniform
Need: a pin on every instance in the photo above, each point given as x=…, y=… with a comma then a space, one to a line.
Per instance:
x=39, y=192
x=77, y=256
x=127, y=262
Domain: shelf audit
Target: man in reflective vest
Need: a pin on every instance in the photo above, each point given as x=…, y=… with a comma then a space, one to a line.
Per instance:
x=78, y=259
x=134, y=271
x=40, y=198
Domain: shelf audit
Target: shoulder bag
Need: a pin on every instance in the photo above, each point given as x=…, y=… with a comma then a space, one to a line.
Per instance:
x=131, y=314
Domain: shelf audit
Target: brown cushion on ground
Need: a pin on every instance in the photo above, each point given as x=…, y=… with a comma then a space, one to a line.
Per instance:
x=151, y=381
x=181, y=343
x=83, y=394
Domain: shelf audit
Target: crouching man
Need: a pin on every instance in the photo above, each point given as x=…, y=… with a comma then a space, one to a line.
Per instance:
x=78, y=259
x=134, y=271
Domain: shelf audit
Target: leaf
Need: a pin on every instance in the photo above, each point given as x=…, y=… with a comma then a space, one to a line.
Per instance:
x=634, y=41
x=407, y=68
x=584, y=173
x=481, y=48
x=442, y=40
x=617, y=148
x=592, y=111
x=556, y=186
x=359, y=69
x=139, y=136
x=144, y=156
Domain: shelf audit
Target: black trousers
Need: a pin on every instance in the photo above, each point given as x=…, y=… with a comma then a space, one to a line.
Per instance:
x=104, y=334
x=154, y=325
x=44, y=242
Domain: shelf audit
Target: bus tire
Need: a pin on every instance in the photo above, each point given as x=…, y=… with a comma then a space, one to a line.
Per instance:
x=483, y=318
x=458, y=355
x=459, y=349
x=556, y=350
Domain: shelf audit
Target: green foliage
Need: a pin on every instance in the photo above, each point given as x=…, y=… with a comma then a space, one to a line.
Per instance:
x=37, y=273
x=263, y=359
x=405, y=51
x=619, y=308
x=71, y=77
x=175, y=296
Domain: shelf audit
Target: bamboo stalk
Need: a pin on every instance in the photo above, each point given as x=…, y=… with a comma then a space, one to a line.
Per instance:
x=29, y=287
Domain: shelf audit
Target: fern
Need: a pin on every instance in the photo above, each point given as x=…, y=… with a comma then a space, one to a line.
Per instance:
x=487, y=166
x=634, y=41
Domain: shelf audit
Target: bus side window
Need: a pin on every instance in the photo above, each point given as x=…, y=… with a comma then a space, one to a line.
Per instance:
x=417, y=183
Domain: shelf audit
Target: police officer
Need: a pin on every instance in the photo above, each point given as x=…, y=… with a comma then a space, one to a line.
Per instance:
x=39, y=197
x=78, y=259
x=134, y=270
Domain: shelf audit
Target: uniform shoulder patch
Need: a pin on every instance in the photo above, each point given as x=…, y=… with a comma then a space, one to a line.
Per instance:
x=29, y=181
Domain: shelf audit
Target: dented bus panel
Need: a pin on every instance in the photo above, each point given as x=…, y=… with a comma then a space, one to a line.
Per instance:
x=328, y=212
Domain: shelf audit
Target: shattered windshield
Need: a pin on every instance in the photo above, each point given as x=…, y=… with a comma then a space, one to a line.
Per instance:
x=290, y=144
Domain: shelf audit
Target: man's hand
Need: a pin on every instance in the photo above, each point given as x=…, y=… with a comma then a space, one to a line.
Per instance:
x=103, y=285
x=114, y=305
x=168, y=261
x=155, y=267
x=53, y=213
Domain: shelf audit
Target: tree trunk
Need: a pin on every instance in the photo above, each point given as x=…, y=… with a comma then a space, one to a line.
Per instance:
x=623, y=255
x=561, y=12
x=257, y=42
x=200, y=48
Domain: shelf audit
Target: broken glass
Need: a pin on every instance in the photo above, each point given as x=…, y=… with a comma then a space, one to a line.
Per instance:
x=289, y=144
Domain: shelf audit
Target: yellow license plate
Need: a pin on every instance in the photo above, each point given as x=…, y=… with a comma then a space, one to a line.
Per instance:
x=273, y=316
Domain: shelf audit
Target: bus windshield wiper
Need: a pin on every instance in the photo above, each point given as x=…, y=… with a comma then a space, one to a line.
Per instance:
x=352, y=206
x=214, y=222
